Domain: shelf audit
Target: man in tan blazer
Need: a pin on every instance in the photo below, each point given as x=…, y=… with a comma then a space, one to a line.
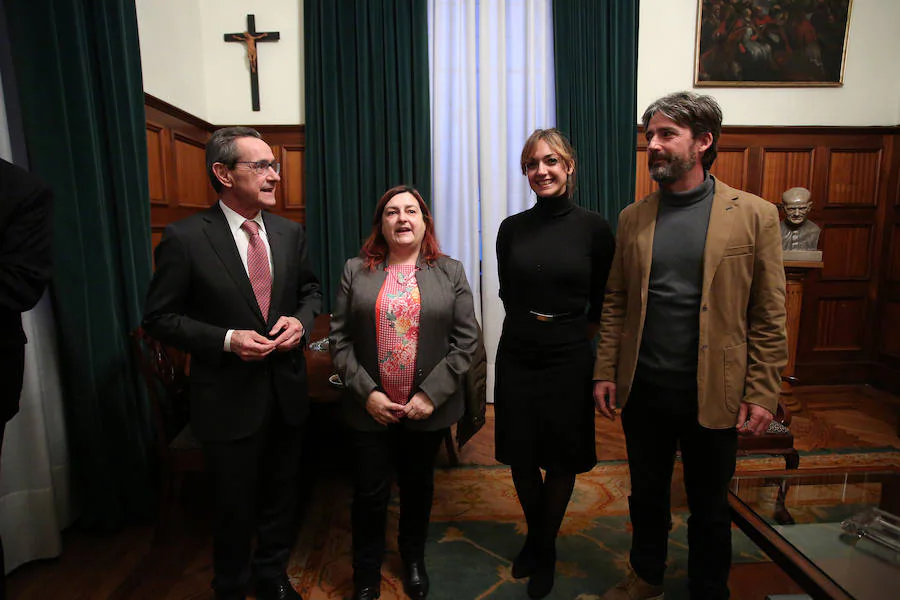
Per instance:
x=692, y=342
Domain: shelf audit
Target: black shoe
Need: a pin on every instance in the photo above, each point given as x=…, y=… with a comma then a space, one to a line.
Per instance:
x=367, y=592
x=415, y=579
x=276, y=589
x=541, y=582
x=525, y=562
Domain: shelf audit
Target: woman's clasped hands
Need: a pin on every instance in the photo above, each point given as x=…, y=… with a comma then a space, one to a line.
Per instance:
x=385, y=411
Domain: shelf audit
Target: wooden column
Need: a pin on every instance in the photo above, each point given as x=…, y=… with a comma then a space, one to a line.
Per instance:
x=796, y=273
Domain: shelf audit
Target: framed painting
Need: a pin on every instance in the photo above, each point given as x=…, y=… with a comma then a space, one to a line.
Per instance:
x=770, y=43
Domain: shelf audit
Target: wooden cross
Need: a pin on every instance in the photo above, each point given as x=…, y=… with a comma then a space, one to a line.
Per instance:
x=251, y=37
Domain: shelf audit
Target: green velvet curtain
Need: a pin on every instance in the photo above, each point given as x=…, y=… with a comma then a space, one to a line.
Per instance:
x=78, y=68
x=595, y=56
x=367, y=119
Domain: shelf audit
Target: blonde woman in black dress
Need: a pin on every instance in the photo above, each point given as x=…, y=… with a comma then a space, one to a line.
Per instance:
x=553, y=262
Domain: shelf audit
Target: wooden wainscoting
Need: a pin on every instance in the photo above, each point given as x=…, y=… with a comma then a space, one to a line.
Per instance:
x=850, y=326
x=179, y=186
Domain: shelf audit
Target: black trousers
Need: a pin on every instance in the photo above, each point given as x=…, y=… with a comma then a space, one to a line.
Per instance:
x=377, y=455
x=656, y=422
x=254, y=484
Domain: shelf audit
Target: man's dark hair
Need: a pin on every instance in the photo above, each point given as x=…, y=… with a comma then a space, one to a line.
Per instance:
x=699, y=113
x=222, y=149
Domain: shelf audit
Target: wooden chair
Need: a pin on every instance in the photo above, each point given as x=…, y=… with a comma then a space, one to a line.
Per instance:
x=165, y=372
x=776, y=441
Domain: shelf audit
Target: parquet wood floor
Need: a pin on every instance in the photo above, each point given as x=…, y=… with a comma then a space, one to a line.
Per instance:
x=131, y=565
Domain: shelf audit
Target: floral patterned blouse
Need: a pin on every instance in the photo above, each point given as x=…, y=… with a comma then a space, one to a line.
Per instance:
x=397, y=326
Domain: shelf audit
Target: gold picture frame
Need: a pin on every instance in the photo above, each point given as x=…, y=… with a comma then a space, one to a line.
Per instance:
x=771, y=43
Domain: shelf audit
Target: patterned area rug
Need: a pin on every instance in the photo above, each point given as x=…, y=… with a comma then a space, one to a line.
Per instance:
x=477, y=527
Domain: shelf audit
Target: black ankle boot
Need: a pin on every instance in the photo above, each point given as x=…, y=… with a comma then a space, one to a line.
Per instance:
x=541, y=582
x=415, y=579
x=526, y=560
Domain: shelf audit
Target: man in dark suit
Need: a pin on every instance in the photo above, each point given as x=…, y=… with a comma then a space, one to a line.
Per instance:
x=234, y=288
x=25, y=250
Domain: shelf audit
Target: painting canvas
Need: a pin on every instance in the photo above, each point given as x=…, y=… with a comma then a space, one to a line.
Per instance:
x=756, y=43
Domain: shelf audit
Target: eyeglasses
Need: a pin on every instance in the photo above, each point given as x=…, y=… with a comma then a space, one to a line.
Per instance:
x=261, y=167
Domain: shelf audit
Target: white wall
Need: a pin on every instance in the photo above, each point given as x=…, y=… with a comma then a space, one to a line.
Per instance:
x=870, y=94
x=187, y=63
x=172, y=52
x=227, y=69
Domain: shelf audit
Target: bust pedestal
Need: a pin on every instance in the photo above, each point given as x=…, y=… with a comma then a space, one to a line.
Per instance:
x=796, y=272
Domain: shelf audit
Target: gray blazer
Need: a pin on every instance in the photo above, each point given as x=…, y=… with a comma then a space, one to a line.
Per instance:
x=448, y=335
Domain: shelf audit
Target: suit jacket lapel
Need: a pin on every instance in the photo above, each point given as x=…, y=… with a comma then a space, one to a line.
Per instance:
x=721, y=218
x=219, y=235
x=648, y=210
x=279, y=263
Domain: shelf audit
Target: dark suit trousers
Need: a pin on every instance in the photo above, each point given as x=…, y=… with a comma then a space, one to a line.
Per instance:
x=656, y=422
x=376, y=456
x=254, y=483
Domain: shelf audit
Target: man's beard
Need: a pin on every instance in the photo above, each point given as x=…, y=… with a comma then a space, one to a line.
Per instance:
x=672, y=170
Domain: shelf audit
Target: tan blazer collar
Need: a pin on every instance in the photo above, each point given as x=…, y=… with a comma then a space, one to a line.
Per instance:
x=726, y=203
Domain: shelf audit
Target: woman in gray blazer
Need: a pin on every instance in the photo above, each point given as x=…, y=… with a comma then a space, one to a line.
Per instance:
x=402, y=337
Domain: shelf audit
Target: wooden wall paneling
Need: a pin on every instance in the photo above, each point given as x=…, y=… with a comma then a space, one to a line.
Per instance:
x=157, y=141
x=643, y=183
x=754, y=179
x=841, y=323
x=893, y=266
x=890, y=342
x=846, y=251
x=292, y=177
x=192, y=183
x=731, y=166
x=886, y=372
x=784, y=169
x=853, y=177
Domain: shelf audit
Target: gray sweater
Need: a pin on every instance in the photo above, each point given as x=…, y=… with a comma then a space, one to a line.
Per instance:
x=668, y=355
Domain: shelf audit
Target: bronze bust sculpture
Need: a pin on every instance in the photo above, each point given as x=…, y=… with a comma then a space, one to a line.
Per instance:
x=797, y=231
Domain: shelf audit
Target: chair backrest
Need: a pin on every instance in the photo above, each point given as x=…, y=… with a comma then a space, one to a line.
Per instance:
x=165, y=372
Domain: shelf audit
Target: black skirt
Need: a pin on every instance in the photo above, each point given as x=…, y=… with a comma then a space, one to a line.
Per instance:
x=543, y=403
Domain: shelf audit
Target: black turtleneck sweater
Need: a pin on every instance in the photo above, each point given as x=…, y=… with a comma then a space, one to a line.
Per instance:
x=668, y=355
x=554, y=258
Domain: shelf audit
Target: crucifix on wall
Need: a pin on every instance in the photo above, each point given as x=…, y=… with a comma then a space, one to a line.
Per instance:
x=251, y=37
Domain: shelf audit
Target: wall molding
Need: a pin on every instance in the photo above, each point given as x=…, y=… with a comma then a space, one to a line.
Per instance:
x=186, y=117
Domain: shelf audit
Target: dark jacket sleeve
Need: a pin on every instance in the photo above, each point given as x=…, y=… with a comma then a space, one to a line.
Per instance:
x=343, y=353
x=25, y=239
x=602, y=251
x=167, y=302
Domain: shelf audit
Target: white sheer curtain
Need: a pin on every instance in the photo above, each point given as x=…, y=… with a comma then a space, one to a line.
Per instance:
x=34, y=475
x=492, y=84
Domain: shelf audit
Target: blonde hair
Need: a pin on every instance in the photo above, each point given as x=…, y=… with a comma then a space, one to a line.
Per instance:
x=559, y=143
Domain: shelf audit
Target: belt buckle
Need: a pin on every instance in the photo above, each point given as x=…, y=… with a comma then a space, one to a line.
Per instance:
x=544, y=318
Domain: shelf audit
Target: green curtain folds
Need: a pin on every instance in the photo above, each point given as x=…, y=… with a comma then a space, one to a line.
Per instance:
x=78, y=68
x=367, y=119
x=595, y=56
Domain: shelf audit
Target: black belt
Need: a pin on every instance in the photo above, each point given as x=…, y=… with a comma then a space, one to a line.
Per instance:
x=550, y=318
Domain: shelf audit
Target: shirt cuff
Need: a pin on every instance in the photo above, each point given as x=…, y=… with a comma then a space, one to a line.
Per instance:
x=227, y=345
